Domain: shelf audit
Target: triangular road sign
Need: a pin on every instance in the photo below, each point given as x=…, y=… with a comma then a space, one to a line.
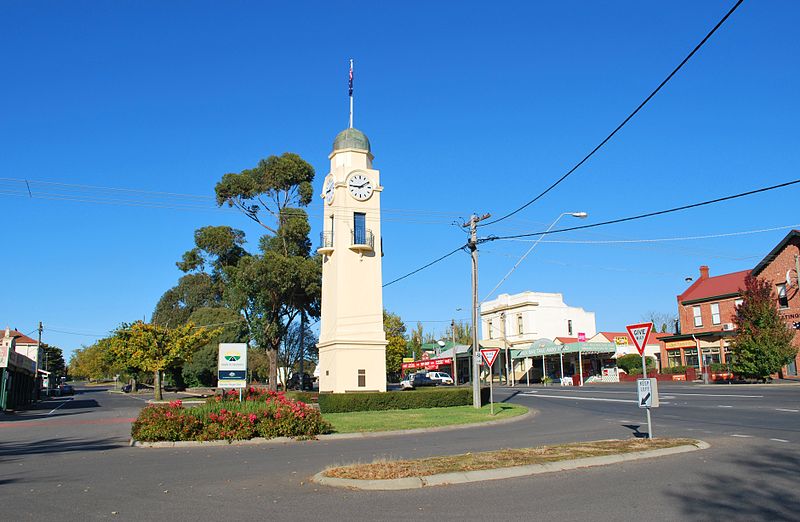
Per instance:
x=639, y=333
x=489, y=355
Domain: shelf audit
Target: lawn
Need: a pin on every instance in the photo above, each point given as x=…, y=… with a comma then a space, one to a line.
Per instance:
x=388, y=420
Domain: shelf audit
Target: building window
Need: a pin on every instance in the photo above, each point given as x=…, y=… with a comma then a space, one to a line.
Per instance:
x=362, y=378
x=783, y=301
x=715, y=319
x=691, y=357
x=673, y=358
x=569, y=326
x=698, y=318
x=520, y=327
x=359, y=228
x=489, y=328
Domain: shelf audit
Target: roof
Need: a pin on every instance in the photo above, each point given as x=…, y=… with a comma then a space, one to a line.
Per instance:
x=351, y=139
x=717, y=286
x=20, y=338
x=775, y=251
x=566, y=340
x=653, y=338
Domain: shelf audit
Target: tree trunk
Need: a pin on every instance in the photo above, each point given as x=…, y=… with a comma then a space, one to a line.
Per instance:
x=157, y=386
x=273, y=369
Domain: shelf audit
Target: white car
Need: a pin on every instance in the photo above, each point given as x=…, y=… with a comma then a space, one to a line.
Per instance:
x=442, y=377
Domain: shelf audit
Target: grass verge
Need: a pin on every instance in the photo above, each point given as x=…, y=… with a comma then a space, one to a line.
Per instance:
x=388, y=420
x=394, y=469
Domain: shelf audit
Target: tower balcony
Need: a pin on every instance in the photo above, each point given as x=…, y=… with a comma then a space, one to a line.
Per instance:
x=362, y=240
x=325, y=243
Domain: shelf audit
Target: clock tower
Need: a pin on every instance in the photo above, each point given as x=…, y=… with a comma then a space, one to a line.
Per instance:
x=352, y=343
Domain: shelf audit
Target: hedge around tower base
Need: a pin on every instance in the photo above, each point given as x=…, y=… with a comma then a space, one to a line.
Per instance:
x=398, y=400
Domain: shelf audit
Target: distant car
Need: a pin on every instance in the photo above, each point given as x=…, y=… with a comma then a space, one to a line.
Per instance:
x=127, y=388
x=442, y=377
x=66, y=389
x=417, y=380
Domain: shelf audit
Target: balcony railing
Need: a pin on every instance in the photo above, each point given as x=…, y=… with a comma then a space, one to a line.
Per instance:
x=362, y=240
x=325, y=243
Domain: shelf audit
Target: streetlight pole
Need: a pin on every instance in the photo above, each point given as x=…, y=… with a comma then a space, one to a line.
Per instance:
x=455, y=352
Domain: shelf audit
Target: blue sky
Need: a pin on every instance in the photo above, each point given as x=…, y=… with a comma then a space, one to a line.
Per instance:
x=470, y=107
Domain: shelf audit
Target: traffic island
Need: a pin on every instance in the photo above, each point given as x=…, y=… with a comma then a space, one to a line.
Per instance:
x=501, y=464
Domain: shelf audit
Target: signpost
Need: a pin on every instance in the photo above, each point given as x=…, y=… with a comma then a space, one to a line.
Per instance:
x=648, y=388
x=489, y=356
x=232, y=366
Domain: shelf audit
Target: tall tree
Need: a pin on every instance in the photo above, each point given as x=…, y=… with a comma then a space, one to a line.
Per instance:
x=463, y=332
x=273, y=287
x=662, y=321
x=417, y=338
x=202, y=369
x=154, y=348
x=53, y=362
x=289, y=356
x=763, y=342
x=397, y=345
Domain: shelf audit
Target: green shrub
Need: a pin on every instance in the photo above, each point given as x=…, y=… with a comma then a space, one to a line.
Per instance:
x=631, y=362
x=672, y=370
x=405, y=400
x=719, y=367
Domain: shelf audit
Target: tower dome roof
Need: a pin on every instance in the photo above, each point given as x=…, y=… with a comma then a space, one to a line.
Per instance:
x=351, y=139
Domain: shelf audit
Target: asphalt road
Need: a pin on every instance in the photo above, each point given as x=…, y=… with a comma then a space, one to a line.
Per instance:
x=69, y=460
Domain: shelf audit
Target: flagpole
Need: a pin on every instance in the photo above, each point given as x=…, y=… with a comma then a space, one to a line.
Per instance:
x=351, y=93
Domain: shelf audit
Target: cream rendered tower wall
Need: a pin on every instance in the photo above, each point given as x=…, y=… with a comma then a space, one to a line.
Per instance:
x=352, y=343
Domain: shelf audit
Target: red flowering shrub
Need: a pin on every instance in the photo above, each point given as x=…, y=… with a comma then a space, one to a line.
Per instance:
x=261, y=413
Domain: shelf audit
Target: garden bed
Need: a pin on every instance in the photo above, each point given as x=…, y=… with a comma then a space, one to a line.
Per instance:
x=262, y=414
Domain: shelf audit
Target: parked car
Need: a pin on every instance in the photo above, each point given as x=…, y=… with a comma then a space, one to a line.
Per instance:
x=417, y=380
x=66, y=389
x=442, y=377
x=294, y=382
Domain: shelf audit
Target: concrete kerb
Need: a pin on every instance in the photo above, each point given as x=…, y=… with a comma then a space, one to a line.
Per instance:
x=465, y=477
x=333, y=436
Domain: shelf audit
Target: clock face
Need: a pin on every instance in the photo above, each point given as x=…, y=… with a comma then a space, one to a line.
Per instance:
x=360, y=186
x=328, y=191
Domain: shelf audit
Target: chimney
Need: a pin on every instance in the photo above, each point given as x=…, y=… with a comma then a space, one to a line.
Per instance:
x=704, y=272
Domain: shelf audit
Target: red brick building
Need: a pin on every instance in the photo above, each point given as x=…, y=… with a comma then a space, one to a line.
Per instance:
x=706, y=309
x=705, y=314
x=781, y=267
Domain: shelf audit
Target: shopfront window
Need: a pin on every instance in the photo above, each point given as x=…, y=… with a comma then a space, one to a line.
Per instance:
x=710, y=356
x=691, y=357
x=673, y=358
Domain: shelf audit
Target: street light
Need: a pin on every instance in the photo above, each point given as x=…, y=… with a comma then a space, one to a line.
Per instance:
x=580, y=215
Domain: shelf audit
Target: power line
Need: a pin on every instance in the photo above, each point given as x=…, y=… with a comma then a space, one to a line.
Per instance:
x=624, y=122
x=647, y=215
x=657, y=240
x=425, y=266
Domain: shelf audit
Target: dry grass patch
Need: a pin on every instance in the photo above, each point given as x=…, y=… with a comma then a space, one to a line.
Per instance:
x=393, y=469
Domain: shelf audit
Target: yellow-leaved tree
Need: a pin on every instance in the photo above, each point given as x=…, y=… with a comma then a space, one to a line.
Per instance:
x=154, y=348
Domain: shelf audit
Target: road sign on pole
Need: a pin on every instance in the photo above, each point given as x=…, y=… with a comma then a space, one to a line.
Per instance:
x=648, y=393
x=639, y=333
x=489, y=356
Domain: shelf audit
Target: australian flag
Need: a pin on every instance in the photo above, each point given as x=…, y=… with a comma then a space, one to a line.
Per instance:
x=351, y=79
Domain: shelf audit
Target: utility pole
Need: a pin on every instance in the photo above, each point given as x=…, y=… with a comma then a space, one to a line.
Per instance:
x=455, y=353
x=39, y=353
x=476, y=355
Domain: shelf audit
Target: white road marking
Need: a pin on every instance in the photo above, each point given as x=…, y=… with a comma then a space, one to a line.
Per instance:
x=573, y=397
x=742, y=436
x=723, y=406
x=719, y=395
x=784, y=409
x=57, y=407
x=779, y=440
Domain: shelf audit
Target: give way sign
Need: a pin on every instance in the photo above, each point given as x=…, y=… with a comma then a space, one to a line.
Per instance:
x=639, y=333
x=489, y=355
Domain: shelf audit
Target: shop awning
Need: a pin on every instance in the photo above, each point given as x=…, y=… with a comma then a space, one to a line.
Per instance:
x=547, y=347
